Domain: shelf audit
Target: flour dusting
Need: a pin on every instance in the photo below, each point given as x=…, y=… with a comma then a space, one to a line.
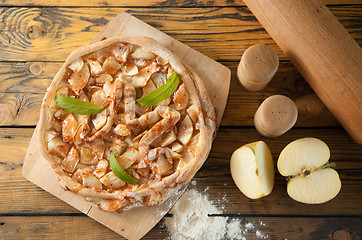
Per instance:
x=234, y=230
x=190, y=220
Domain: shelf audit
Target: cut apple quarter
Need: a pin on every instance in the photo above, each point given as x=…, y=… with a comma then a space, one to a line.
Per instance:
x=305, y=163
x=252, y=169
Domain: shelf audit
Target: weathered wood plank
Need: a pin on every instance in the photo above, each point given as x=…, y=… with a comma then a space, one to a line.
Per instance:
x=21, y=77
x=82, y=227
x=13, y=146
x=214, y=177
x=23, y=84
x=222, y=33
x=20, y=109
x=144, y=3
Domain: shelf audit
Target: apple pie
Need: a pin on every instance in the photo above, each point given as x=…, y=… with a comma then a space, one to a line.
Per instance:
x=125, y=123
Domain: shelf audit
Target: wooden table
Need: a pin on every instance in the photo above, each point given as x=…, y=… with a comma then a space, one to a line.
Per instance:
x=37, y=35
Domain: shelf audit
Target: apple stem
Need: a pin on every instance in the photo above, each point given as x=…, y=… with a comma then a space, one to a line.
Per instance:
x=328, y=165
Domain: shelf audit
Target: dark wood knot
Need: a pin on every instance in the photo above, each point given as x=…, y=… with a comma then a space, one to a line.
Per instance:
x=309, y=105
x=35, y=29
x=341, y=235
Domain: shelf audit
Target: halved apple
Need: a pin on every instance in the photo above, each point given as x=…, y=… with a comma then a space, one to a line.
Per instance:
x=252, y=169
x=305, y=163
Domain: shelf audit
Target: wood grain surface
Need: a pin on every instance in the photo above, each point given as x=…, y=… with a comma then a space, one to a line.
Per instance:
x=145, y=3
x=71, y=227
x=221, y=33
x=37, y=35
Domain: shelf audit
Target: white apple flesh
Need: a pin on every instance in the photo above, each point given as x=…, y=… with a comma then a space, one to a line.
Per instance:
x=302, y=161
x=304, y=153
x=252, y=169
x=318, y=187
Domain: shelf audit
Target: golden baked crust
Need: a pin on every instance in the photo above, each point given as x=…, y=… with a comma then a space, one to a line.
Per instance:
x=161, y=146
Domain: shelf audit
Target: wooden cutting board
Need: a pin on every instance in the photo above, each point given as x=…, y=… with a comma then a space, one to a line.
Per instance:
x=135, y=223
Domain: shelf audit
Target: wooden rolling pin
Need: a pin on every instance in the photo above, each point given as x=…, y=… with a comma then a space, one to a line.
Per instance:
x=322, y=51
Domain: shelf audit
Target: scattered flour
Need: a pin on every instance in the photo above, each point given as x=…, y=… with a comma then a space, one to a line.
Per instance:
x=259, y=234
x=190, y=220
x=249, y=226
x=234, y=230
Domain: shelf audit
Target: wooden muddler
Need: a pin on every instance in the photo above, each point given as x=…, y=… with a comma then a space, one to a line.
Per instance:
x=322, y=51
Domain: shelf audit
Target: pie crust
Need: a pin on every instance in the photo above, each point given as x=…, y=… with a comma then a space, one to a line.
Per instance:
x=162, y=147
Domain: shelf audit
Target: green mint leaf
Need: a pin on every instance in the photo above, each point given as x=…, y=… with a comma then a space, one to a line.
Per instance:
x=74, y=105
x=119, y=172
x=161, y=93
